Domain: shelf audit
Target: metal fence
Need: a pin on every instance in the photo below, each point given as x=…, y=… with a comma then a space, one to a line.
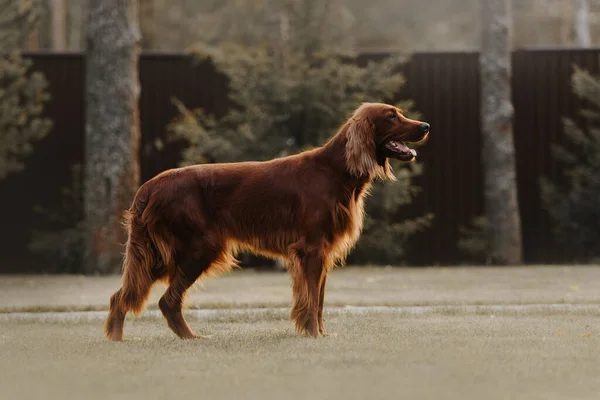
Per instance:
x=445, y=89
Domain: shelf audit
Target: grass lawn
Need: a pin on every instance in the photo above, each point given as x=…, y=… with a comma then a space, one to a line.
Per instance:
x=499, y=349
x=377, y=355
x=347, y=286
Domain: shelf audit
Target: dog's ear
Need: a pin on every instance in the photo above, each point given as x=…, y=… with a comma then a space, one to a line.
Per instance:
x=385, y=171
x=361, y=154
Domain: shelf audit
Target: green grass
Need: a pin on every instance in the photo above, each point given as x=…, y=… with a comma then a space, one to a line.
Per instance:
x=449, y=352
x=375, y=356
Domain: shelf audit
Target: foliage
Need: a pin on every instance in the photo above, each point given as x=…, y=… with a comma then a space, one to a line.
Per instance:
x=22, y=92
x=293, y=94
x=573, y=200
x=385, y=231
x=17, y=20
x=380, y=26
x=62, y=242
x=269, y=21
x=473, y=241
x=22, y=98
x=279, y=110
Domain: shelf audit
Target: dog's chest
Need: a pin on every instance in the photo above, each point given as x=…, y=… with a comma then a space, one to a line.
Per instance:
x=356, y=216
x=347, y=225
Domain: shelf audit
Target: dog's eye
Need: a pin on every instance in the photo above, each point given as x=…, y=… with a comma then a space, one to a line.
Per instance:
x=392, y=116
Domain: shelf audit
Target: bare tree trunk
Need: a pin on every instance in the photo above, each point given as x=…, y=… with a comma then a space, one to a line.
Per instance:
x=147, y=24
x=58, y=25
x=565, y=9
x=582, y=23
x=500, y=186
x=76, y=25
x=112, y=128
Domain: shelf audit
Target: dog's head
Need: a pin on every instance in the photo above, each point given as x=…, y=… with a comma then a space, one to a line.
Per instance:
x=377, y=132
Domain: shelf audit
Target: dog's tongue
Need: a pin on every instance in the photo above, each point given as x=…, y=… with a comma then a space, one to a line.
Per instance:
x=401, y=147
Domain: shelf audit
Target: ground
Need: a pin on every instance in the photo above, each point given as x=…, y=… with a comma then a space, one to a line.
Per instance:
x=467, y=333
x=347, y=286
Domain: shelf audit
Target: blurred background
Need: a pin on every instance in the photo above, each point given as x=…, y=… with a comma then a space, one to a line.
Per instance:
x=97, y=97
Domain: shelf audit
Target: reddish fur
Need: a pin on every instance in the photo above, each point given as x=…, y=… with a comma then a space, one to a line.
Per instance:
x=307, y=209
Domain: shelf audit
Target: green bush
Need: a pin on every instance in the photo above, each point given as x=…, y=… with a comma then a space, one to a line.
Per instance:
x=573, y=200
x=279, y=110
x=22, y=98
x=473, y=243
x=61, y=243
x=22, y=92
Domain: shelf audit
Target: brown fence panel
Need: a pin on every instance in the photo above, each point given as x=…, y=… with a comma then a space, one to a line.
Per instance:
x=163, y=77
x=444, y=86
x=445, y=89
x=542, y=96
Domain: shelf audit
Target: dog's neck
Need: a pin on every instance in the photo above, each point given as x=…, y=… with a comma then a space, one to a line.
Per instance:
x=334, y=154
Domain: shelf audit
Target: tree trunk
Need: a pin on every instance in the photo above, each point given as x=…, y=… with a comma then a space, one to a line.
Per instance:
x=58, y=25
x=582, y=23
x=147, y=24
x=565, y=9
x=76, y=25
x=112, y=128
x=498, y=155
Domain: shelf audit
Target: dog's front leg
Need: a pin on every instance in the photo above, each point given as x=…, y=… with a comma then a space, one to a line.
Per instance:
x=307, y=278
x=322, y=285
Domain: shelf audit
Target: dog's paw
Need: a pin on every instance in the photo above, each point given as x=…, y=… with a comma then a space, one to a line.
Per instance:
x=194, y=336
x=329, y=334
x=129, y=340
x=203, y=336
x=191, y=336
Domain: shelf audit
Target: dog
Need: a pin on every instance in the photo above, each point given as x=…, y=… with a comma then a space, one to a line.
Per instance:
x=306, y=209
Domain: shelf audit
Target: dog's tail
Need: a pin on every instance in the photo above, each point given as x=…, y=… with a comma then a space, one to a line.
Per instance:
x=145, y=261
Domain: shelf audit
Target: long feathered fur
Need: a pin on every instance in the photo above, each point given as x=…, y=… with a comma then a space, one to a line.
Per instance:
x=306, y=209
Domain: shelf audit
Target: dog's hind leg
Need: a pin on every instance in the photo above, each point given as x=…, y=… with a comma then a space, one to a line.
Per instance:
x=141, y=268
x=113, y=327
x=197, y=259
x=118, y=310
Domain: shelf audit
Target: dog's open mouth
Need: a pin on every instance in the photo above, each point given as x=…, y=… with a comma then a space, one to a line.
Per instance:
x=400, y=150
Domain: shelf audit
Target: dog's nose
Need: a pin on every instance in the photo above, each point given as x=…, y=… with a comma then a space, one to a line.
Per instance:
x=424, y=127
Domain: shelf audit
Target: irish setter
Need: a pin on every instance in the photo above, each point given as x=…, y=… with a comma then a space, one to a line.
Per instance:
x=306, y=209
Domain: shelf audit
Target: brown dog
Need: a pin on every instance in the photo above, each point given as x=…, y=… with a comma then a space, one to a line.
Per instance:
x=306, y=209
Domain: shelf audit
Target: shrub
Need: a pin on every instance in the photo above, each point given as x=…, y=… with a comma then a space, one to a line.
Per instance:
x=61, y=243
x=22, y=92
x=473, y=242
x=573, y=199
